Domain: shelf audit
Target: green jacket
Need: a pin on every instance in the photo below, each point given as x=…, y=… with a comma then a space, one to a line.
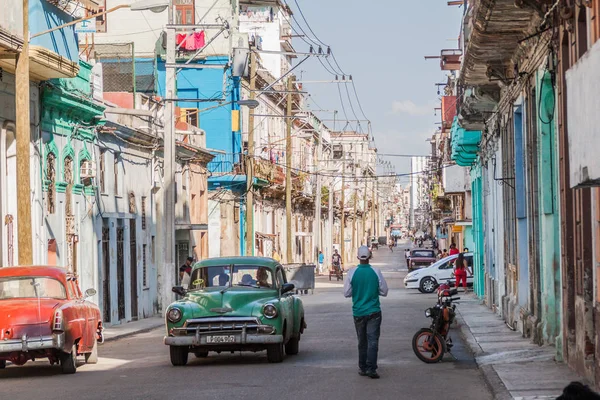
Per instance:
x=365, y=284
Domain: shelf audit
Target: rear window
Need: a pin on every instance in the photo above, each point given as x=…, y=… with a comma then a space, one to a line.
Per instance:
x=31, y=287
x=423, y=253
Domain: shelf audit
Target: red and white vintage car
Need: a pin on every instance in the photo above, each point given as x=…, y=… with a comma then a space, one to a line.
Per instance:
x=43, y=314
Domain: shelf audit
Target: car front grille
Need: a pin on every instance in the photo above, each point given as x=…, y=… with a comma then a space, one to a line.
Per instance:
x=222, y=324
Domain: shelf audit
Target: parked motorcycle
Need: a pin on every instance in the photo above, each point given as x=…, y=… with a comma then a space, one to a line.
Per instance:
x=430, y=344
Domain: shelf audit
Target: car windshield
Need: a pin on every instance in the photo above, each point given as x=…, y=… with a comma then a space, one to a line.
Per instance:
x=31, y=287
x=423, y=253
x=254, y=276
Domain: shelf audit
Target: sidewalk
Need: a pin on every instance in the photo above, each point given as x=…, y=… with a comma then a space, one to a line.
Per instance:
x=513, y=367
x=115, y=332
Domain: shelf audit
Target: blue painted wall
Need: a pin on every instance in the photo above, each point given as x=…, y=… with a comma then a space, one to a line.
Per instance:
x=44, y=16
x=208, y=84
x=521, y=209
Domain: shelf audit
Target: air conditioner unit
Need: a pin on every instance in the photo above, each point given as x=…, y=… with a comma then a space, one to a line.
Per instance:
x=88, y=170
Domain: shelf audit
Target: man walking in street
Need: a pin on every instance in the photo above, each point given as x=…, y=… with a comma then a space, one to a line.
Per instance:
x=185, y=271
x=321, y=261
x=365, y=284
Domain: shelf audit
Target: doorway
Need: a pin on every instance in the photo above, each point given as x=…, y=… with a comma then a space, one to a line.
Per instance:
x=120, y=271
x=106, y=271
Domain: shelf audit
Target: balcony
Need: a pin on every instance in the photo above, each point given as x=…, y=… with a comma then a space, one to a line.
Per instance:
x=465, y=144
x=227, y=164
x=450, y=59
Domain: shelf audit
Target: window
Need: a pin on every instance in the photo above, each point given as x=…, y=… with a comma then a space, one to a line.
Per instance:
x=102, y=171
x=144, y=265
x=184, y=12
x=116, y=173
x=189, y=115
x=144, y=212
x=100, y=19
x=68, y=173
x=153, y=249
x=51, y=177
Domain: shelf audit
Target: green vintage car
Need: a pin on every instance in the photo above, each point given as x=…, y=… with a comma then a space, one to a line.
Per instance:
x=235, y=304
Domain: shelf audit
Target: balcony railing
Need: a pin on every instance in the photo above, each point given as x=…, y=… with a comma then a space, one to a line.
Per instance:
x=227, y=164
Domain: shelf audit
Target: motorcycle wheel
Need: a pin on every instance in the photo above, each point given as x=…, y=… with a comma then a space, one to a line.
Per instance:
x=428, y=353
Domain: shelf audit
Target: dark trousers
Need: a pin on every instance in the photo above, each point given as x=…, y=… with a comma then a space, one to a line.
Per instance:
x=368, y=329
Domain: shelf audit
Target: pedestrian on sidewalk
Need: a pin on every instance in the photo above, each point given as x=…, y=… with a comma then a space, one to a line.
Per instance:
x=364, y=284
x=185, y=271
x=321, y=261
x=460, y=271
x=453, y=249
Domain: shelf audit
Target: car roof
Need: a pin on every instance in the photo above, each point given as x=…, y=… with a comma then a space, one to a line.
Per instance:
x=449, y=258
x=421, y=249
x=36, y=270
x=220, y=261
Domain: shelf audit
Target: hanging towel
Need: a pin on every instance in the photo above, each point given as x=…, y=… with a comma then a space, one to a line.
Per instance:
x=179, y=38
x=199, y=40
x=189, y=42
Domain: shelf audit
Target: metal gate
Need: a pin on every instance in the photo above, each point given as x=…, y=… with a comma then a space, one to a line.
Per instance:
x=106, y=273
x=133, y=269
x=121, y=272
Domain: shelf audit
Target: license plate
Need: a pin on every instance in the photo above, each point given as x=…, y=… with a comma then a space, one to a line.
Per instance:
x=220, y=339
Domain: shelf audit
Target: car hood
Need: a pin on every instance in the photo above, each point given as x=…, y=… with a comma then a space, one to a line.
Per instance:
x=232, y=302
x=20, y=316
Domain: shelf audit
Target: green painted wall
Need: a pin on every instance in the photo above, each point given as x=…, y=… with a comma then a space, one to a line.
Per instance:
x=478, y=236
x=549, y=245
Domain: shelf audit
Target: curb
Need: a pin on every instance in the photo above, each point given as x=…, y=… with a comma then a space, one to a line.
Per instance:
x=489, y=374
x=132, y=333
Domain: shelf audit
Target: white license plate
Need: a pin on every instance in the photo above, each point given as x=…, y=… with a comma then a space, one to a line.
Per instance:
x=220, y=339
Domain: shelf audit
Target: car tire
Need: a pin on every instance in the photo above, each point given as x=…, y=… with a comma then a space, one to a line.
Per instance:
x=275, y=353
x=201, y=354
x=179, y=355
x=92, y=358
x=428, y=285
x=420, y=290
x=293, y=346
x=68, y=361
x=2, y=364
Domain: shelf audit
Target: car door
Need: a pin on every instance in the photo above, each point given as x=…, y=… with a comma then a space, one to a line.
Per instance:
x=470, y=267
x=445, y=271
x=286, y=301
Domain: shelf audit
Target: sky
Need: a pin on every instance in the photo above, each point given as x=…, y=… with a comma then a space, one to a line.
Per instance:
x=382, y=44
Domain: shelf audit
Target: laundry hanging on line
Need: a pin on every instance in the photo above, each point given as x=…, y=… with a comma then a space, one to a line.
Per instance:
x=193, y=41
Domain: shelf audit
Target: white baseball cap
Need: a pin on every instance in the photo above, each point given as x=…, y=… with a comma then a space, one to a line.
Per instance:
x=363, y=253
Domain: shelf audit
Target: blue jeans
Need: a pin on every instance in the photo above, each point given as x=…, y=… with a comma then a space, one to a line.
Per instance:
x=368, y=329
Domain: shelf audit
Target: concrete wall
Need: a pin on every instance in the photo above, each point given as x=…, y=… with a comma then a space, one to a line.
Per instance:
x=455, y=179
x=583, y=85
x=11, y=18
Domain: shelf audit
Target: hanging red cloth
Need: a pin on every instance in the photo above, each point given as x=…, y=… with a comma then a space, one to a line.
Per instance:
x=179, y=38
x=199, y=40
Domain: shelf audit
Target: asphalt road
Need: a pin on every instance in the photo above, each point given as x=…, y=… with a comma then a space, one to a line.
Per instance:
x=138, y=367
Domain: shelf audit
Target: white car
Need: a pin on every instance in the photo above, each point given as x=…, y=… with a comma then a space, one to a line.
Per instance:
x=426, y=280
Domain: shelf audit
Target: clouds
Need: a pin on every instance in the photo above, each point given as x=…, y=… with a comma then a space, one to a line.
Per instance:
x=410, y=108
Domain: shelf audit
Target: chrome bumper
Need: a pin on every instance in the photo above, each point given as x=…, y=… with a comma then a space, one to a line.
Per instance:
x=25, y=344
x=200, y=340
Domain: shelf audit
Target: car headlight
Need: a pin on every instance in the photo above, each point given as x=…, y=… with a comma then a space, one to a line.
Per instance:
x=174, y=315
x=428, y=312
x=269, y=311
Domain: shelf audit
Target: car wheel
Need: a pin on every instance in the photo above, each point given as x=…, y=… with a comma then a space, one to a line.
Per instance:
x=292, y=347
x=201, y=354
x=428, y=285
x=420, y=290
x=179, y=355
x=2, y=364
x=275, y=353
x=92, y=358
x=68, y=361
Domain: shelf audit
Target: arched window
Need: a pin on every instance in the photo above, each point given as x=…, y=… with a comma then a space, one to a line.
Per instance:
x=51, y=177
x=68, y=173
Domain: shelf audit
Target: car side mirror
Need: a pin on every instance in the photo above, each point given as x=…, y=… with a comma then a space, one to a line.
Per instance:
x=90, y=292
x=179, y=290
x=287, y=287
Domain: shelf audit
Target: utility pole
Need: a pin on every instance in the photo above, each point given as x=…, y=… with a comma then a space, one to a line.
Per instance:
x=330, y=237
x=288, y=169
x=250, y=162
x=317, y=230
x=364, y=215
x=373, y=223
x=169, y=273
x=353, y=249
x=24, y=238
x=343, y=218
